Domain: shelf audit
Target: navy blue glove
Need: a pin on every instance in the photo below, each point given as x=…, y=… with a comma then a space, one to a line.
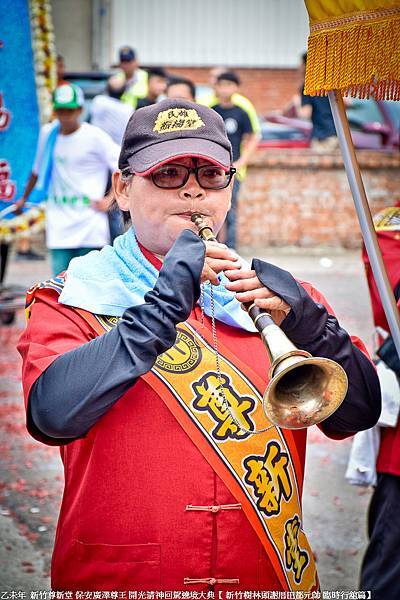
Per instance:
x=83, y=384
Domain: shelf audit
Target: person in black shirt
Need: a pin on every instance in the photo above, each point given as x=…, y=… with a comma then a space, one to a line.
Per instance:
x=242, y=137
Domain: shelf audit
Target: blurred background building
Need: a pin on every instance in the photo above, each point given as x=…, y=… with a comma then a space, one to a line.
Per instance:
x=293, y=195
x=261, y=39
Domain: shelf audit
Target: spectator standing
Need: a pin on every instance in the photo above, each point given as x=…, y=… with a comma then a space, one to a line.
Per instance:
x=109, y=113
x=242, y=137
x=380, y=571
x=112, y=116
x=24, y=249
x=157, y=84
x=72, y=161
x=131, y=78
x=210, y=99
x=60, y=67
x=318, y=110
x=182, y=88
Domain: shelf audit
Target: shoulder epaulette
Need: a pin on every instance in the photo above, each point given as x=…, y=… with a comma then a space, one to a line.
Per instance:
x=388, y=219
x=55, y=283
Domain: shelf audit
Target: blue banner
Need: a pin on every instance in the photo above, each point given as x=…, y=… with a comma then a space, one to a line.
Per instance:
x=19, y=112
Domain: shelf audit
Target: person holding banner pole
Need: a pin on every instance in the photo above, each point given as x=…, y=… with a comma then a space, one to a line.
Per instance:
x=379, y=572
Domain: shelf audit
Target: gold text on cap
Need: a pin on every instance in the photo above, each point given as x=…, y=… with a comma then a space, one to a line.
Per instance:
x=177, y=119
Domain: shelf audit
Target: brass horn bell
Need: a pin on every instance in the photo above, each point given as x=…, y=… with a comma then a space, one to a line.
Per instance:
x=303, y=390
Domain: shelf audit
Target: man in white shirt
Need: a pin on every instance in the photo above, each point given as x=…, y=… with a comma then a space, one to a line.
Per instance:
x=76, y=159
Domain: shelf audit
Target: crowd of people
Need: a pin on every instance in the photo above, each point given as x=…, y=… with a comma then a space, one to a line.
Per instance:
x=74, y=160
x=128, y=89
x=166, y=485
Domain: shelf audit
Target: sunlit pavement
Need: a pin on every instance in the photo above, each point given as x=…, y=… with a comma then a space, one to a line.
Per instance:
x=31, y=473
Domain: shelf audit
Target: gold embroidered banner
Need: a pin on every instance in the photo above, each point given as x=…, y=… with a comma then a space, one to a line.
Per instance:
x=354, y=47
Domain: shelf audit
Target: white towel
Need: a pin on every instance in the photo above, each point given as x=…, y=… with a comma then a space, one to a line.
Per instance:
x=361, y=468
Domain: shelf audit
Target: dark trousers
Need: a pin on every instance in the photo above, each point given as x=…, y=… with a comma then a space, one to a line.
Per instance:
x=4, y=248
x=231, y=217
x=380, y=571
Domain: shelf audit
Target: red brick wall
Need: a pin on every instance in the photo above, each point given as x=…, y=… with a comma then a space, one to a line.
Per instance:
x=268, y=89
x=300, y=198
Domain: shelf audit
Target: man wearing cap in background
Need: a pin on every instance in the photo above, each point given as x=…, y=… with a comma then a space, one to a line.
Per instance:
x=132, y=80
x=166, y=488
x=242, y=136
x=71, y=166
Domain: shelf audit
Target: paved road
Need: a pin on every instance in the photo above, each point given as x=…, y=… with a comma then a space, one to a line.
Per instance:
x=31, y=475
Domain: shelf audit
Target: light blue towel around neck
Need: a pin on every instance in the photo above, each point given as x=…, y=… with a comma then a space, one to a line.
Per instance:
x=109, y=281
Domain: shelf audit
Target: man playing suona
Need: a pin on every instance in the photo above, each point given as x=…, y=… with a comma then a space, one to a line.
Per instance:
x=167, y=487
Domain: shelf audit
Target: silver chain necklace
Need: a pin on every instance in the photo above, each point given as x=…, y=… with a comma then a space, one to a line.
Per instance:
x=218, y=361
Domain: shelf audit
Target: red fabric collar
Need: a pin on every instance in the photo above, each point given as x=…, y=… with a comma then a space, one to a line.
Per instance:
x=156, y=262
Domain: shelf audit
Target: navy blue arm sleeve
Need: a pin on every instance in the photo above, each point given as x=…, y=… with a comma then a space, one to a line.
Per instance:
x=310, y=327
x=82, y=384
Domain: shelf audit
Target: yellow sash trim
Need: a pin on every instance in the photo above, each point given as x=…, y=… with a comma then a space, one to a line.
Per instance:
x=357, y=52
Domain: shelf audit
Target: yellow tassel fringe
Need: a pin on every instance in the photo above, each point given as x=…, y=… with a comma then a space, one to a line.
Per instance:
x=361, y=59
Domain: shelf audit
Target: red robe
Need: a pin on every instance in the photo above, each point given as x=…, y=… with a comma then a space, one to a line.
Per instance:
x=124, y=523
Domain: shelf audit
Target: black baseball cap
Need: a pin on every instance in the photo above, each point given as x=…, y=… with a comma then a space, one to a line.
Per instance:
x=126, y=54
x=170, y=129
x=229, y=76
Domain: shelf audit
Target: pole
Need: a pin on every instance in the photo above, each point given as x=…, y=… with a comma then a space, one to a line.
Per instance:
x=364, y=215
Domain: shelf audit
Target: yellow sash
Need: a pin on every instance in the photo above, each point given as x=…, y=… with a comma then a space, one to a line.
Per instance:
x=262, y=471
